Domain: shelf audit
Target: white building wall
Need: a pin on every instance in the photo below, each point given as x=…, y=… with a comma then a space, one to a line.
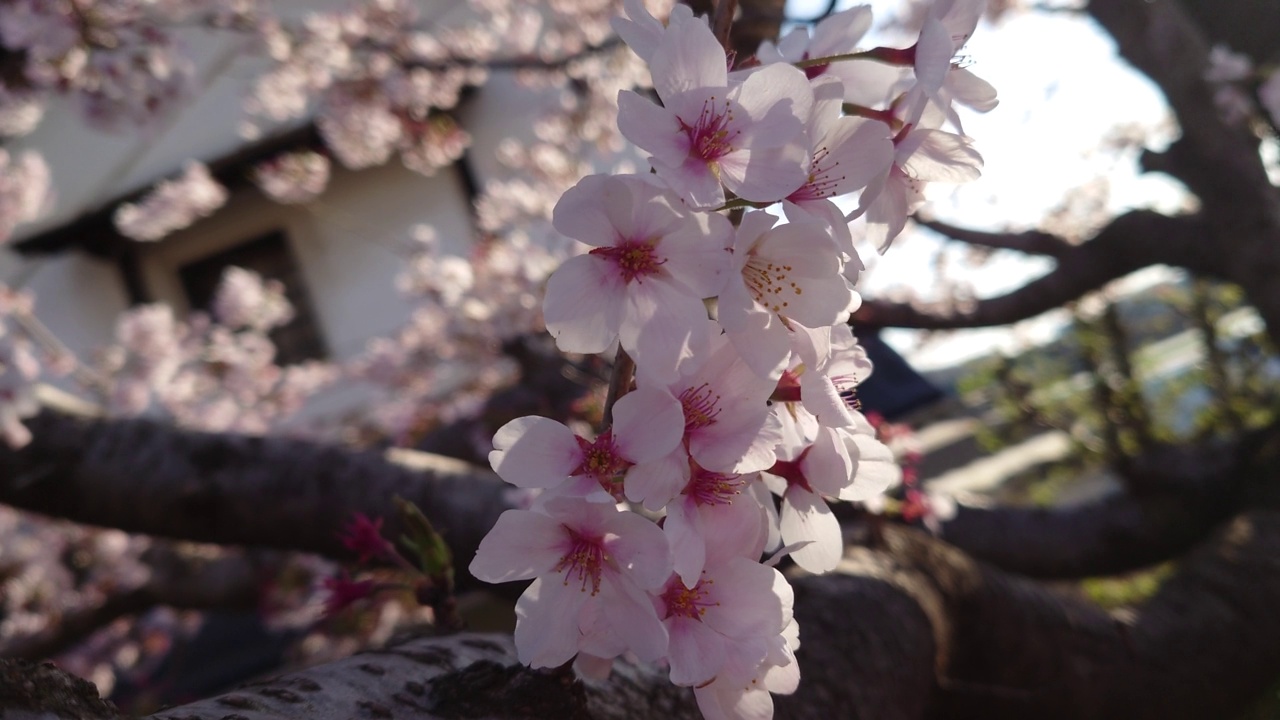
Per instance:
x=350, y=245
x=77, y=297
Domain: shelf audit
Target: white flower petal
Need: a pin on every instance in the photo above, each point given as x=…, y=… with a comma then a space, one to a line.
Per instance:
x=805, y=516
x=534, y=452
x=583, y=305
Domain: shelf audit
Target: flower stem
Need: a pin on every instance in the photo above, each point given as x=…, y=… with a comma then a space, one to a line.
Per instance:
x=888, y=55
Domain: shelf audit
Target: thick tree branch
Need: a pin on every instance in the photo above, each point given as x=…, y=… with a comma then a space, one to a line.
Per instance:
x=1130, y=242
x=149, y=477
x=1031, y=242
x=1204, y=646
x=915, y=629
x=1176, y=496
x=1218, y=161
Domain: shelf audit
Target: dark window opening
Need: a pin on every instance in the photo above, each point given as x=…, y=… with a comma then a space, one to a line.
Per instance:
x=270, y=257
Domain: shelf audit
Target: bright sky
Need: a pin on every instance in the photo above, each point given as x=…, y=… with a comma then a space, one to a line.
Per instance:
x=1062, y=91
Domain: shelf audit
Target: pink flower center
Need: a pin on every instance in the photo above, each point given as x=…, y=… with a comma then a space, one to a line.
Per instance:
x=683, y=602
x=602, y=462
x=635, y=259
x=788, y=389
x=790, y=471
x=701, y=406
x=585, y=558
x=710, y=137
x=712, y=488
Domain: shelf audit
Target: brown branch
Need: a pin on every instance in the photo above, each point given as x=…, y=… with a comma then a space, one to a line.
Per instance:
x=873, y=638
x=1176, y=496
x=1114, y=535
x=517, y=63
x=148, y=477
x=1031, y=242
x=915, y=630
x=1032, y=653
x=1130, y=242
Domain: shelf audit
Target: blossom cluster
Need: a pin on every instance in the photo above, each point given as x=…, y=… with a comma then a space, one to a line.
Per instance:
x=20, y=365
x=737, y=428
x=293, y=178
x=214, y=373
x=120, y=57
x=24, y=190
x=171, y=205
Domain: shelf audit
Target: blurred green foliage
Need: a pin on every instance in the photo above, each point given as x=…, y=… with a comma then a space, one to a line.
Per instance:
x=1185, y=361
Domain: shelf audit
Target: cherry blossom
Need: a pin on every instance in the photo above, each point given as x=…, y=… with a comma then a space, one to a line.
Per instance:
x=830, y=366
x=781, y=275
x=534, y=452
x=817, y=462
x=641, y=31
x=743, y=691
x=727, y=426
x=644, y=280
x=714, y=517
x=735, y=607
x=748, y=136
x=947, y=27
x=20, y=111
x=293, y=178
x=24, y=190
x=245, y=300
x=584, y=558
x=920, y=155
x=848, y=153
x=744, y=369
x=837, y=34
x=172, y=205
